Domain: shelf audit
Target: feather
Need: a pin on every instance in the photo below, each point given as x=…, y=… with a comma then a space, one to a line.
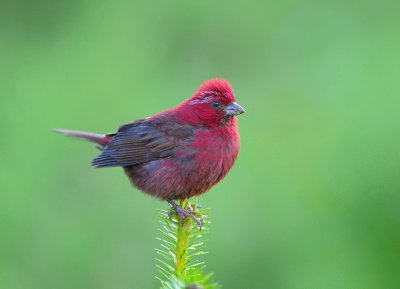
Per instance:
x=100, y=139
x=135, y=144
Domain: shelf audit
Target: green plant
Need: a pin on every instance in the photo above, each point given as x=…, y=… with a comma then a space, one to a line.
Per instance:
x=181, y=247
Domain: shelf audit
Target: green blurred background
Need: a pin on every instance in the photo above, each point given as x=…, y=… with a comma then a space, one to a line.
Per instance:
x=313, y=201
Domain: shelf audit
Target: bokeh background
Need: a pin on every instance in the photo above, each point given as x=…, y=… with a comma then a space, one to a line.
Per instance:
x=313, y=201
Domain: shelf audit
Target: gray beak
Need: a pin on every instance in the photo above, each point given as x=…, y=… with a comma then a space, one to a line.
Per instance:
x=234, y=109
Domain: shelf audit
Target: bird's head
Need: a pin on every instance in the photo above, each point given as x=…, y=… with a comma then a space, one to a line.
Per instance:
x=213, y=103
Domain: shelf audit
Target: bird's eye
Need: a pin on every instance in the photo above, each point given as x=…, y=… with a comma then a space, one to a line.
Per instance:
x=215, y=104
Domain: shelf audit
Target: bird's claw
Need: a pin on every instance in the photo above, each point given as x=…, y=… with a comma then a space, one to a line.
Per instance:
x=184, y=213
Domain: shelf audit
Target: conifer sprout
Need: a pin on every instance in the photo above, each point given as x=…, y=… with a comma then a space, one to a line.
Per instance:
x=179, y=256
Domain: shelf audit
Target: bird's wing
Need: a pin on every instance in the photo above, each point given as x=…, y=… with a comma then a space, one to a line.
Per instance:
x=138, y=142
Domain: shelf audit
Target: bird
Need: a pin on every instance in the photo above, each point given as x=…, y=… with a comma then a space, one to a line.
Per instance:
x=178, y=153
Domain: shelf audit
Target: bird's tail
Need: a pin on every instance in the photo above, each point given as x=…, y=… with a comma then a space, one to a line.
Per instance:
x=101, y=139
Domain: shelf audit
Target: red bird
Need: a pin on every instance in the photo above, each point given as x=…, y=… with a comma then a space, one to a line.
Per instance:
x=178, y=153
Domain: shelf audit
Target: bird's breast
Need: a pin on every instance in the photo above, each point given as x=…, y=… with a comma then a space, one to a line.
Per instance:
x=216, y=153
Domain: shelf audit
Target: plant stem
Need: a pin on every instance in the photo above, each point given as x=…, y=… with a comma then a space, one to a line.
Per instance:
x=181, y=246
x=182, y=253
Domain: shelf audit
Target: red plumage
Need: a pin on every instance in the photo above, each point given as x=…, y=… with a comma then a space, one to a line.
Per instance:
x=178, y=153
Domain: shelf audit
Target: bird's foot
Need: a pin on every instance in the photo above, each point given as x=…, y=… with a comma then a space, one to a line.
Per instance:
x=185, y=213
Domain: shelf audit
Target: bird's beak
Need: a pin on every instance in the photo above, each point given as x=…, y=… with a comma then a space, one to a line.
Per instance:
x=234, y=109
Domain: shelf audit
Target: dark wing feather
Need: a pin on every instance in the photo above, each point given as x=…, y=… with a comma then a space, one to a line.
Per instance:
x=135, y=143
